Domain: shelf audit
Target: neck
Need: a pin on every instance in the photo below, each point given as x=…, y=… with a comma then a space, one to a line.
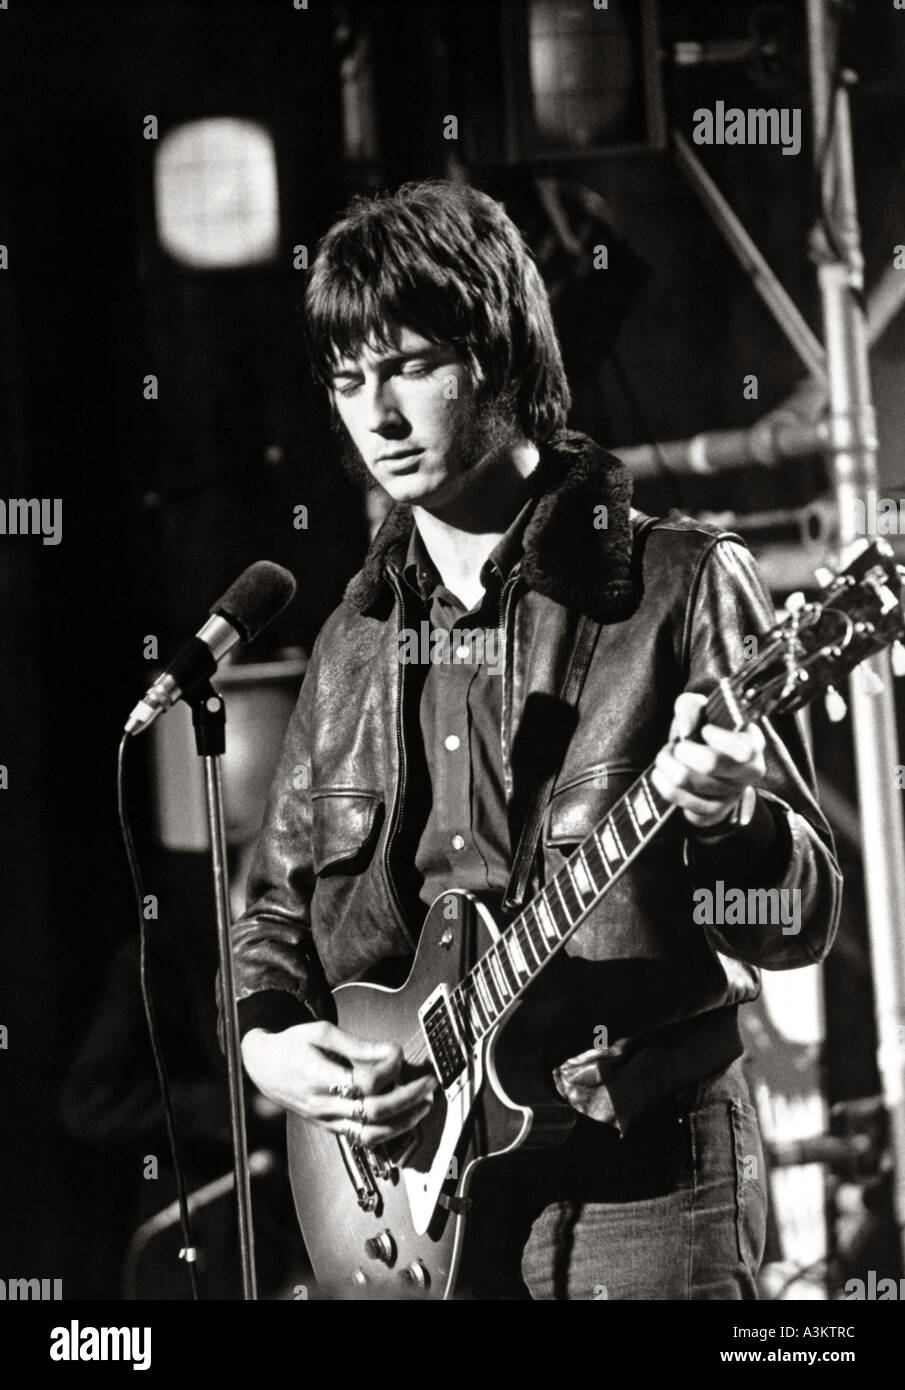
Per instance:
x=460, y=536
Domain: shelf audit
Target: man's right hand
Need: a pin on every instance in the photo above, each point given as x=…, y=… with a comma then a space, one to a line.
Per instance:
x=301, y=1068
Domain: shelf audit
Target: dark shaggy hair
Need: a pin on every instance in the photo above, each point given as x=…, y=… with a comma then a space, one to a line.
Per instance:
x=447, y=262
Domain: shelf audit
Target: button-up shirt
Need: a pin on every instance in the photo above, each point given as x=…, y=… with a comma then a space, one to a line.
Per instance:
x=465, y=842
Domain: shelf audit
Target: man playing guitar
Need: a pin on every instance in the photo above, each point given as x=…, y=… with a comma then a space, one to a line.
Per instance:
x=400, y=776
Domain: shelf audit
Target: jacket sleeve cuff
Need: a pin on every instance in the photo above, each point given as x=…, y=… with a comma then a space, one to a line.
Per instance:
x=758, y=853
x=274, y=1010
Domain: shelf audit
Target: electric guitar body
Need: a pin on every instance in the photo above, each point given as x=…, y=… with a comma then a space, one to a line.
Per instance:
x=390, y=1223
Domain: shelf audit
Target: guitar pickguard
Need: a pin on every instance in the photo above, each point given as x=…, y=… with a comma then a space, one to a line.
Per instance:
x=430, y=1165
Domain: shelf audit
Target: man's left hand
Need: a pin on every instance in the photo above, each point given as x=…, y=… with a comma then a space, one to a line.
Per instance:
x=706, y=779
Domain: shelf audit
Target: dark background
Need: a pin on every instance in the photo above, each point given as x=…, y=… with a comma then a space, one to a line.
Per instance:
x=165, y=501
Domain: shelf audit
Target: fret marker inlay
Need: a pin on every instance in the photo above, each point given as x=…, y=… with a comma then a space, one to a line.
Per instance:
x=611, y=848
x=516, y=955
x=582, y=878
x=545, y=917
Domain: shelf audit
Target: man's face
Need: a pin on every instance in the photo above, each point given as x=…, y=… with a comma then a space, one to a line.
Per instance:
x=412, y=413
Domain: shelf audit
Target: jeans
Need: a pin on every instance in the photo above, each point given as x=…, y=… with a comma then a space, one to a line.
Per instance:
x=676, y=1209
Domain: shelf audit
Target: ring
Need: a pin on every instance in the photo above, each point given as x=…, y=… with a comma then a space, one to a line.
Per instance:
x=358, y=1112
x=343, y=1089
x=352, y=1133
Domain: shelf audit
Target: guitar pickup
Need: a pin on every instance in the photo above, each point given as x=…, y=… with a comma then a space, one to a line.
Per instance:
x=442, y=1037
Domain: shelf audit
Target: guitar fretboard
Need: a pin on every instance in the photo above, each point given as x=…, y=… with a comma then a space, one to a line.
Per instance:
x=500, y=976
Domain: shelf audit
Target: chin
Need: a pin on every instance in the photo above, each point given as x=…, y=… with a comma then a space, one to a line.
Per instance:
x=414, y=490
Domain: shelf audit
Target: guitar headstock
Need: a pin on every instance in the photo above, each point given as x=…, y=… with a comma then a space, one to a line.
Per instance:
x=815, y=645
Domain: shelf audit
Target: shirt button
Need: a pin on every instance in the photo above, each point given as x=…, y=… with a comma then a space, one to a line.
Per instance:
x=463, y=652
x=451, y=741
x=458, y=842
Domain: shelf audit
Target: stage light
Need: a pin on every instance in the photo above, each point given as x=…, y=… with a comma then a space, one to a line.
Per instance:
x=215, y=193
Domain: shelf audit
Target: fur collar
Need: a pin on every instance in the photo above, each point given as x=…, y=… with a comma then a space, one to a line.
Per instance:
x=566, y=557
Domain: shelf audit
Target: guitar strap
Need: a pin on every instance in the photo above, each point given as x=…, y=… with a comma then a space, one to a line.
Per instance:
x=582, y=651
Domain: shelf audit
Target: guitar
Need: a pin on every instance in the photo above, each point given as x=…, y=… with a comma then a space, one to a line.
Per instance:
x=390, y=1222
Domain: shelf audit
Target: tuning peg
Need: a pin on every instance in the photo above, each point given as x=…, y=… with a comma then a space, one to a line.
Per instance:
x=871, y=683
x=824, y=576
x=835, y=705
x=888, y=599
x=897, y=656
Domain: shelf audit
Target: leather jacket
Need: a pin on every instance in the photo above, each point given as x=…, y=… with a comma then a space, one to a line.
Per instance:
x=330, y=894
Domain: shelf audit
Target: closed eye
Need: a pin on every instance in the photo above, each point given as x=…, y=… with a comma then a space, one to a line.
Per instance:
x=346, y=386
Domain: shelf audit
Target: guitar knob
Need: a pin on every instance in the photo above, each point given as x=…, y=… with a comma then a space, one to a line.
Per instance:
x=416, y=1276
x=382, y=1247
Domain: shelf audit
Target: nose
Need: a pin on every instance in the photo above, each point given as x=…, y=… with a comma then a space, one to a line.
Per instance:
x=381, y=411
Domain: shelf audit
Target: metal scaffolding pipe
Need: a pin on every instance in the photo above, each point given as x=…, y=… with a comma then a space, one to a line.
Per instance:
x=793, y=429
x=852, y=454
x=775, y=438
x=768, y=286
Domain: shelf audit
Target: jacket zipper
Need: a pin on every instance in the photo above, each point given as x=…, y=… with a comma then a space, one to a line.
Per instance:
x=400, y=746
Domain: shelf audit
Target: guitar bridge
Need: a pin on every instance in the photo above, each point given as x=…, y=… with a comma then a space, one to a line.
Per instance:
x=383, y=1164
x=361, y=1175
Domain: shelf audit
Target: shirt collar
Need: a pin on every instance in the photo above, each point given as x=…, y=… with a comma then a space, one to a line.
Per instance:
x=422, y=576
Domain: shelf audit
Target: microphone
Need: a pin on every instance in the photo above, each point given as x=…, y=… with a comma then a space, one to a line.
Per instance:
x=254, y=600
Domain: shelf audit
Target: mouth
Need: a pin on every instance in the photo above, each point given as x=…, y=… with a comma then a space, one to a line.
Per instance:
x=402, y=462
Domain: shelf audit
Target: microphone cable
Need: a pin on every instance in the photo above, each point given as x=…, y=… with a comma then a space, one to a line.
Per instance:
x=188, y=1252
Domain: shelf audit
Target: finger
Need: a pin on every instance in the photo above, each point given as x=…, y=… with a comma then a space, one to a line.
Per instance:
x=741, y=745
x=371, y=1134
x=684, y=775
x=384, y=1108
x=353, y=1049
x=695, y=757
x=686, y=714
x=328, y=1078
x=699, y=810
x=380, y=1074
x=371, y=1109
x=705, y=772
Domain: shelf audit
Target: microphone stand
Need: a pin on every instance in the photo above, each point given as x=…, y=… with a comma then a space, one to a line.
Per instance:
x=209, y=722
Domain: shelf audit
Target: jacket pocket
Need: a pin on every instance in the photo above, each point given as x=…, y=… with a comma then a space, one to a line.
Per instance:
x=580, y=803
x=345, y=825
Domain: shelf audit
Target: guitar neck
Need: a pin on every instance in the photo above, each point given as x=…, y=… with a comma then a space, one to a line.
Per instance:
x=499, y=978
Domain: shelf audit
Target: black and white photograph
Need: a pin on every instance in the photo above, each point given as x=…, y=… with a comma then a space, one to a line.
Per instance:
x=452, y=597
